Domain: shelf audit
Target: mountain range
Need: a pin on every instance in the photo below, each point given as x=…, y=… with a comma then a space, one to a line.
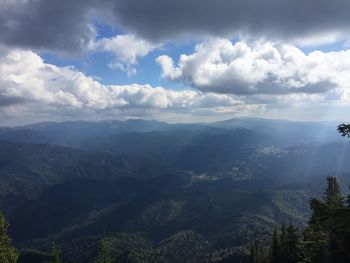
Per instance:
x=148, y=189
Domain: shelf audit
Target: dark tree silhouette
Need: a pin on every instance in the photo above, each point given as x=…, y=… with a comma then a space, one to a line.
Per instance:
x=344, y=129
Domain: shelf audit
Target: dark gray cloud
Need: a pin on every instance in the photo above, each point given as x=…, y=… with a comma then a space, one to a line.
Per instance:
x=161, y=19
x=6, y=101
x=64, y=24
x=46, y=24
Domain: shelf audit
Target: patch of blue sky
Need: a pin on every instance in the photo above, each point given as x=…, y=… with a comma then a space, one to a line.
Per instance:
x=97, y=64
x=104, y=30
x=339, y=45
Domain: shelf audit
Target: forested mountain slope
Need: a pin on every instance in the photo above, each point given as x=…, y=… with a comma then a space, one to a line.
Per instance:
x=149, y=189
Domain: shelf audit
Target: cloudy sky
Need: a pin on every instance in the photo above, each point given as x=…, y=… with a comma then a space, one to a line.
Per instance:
x=176, y=61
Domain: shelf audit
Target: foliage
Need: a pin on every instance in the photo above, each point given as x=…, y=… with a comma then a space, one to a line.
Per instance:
x=8, y=253
x=344, y=129
x=333, y=197
x=325, y=240
x=258, y=253
x=33, y=256
x=55, y=254
x=284, y=247
x=105, y=248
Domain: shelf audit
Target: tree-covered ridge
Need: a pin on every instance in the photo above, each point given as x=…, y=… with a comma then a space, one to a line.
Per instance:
x=326, y=239
x=203, y=194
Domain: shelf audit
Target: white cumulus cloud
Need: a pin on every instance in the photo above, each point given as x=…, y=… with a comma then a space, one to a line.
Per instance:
x=29, y=87
x=126, y=49
x=260, y=67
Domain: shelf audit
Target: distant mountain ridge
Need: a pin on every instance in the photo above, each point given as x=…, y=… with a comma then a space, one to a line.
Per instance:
x=160, y=185
x=72, y=133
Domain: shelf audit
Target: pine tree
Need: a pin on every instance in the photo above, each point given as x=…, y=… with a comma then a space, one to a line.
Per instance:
x=333, y=196
x=8, y=253
x=285, y=245
x=275, y=248
x=56, y=254
x=258, y=253
x=325, y=240
x=104, y=252
x=321, y=241
x=314, y=247
x=348, y=200
x=292, y=244
x=283, y=254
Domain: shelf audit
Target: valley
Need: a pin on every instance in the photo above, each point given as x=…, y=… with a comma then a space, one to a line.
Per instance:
x=149, y=190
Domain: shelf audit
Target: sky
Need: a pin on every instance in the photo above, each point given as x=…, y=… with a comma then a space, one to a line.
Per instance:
x=174, y=61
